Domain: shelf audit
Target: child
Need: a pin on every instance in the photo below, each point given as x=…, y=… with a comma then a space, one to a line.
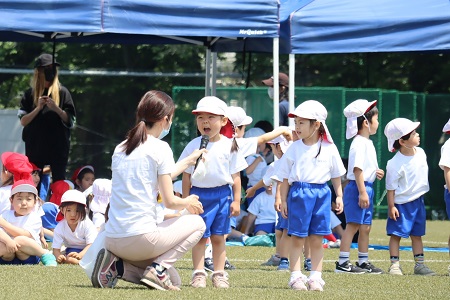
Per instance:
x=75, y=231
x=406, y=183
x=444, y=164
x=362, y=122
x=101, y=191
x=20, y=228
x=304, y=171
x=83, y=177
x=221, y=170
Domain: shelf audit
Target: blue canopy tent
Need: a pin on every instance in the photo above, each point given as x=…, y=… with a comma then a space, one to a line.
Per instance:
x=201, y=22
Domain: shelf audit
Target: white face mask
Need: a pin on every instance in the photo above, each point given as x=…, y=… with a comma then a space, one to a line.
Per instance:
x=270, y=92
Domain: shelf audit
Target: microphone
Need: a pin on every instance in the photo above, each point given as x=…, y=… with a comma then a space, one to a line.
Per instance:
x=203, y=143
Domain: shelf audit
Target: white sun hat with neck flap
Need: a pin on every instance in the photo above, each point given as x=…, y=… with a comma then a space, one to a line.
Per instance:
x=354, y=110
x=313, y=110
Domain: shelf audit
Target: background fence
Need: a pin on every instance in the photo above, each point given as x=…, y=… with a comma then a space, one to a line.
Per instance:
x=432, y=111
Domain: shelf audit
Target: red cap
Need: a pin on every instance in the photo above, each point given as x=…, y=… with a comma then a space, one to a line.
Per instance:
x=17, y=164
x=227, y=130
x=78, y=171
x=58, y=188
x=35, y=168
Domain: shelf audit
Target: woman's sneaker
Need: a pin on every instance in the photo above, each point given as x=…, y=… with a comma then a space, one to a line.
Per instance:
x=348, y=268
x=49, y=260
x=160, y=281
x=198, y=279
x=369, y=268
x=105, y=273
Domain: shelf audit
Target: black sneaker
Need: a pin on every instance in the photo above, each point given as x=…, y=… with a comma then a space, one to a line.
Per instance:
x=347, y=267
x=229, y=266
x=209, y=266
x=369, y=268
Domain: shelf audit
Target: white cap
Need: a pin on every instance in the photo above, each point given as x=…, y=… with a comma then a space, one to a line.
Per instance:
x=212, y=105
x=446, y=128
x=254, y=132
x=397, y=128
x=284, y=144
x=73, y=196
x=178, y=187
x=313, y=110
x=238, y=116
x=101, y=189
x=354, y=110
x=23, y=186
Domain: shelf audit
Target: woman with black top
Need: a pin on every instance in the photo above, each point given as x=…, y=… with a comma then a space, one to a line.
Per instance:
x=47, y=113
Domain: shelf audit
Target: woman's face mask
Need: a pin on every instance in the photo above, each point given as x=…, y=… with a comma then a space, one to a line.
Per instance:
x=49, y=74
x=165, y=132
x=270, y=92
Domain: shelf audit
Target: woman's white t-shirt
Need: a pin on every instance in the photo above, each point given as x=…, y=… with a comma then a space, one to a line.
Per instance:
x=133, y=206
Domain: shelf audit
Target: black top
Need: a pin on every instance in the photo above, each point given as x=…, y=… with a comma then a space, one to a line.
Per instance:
x=47, y=137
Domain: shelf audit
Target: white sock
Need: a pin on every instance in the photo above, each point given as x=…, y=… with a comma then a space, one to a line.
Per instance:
x=295, y=275
x=315, y=275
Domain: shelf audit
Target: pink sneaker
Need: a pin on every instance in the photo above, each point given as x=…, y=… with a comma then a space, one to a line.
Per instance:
x=199, y=280
x=105, y=273
x=298, y=284
x=316, y=285
x=220, y=280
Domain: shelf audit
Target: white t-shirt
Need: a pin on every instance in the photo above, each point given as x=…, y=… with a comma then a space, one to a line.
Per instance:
x=84, y=234
x=407, y=176
x=262, y=207
x=31, y=223
x=5, y=194
x=247, y=146
x=300, y=164
x=133, y=204
x=258, y=172
x=220, y=163
x=362, y=155
x=445, y=156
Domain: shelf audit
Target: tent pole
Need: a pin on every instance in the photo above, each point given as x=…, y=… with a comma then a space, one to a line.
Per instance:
x=276, y=85
x=291, y=87
x=208, y=72
x=214, y=74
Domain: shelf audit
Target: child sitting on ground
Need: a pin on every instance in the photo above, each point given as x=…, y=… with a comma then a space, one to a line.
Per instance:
x=75, y=231
x=83, y=177
x=20, y=228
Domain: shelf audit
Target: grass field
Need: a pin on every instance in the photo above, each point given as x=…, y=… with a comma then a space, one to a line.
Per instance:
x=250, y=280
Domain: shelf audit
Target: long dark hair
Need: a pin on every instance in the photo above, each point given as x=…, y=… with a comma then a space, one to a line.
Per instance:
x=154, y=106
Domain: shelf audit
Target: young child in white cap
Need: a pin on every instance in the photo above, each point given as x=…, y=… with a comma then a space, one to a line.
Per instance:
x=444, y=164
x=222, y=164
x=406, y=183
x=304, y=171
x=75, y=231
x=20, y=228
x=362, y=122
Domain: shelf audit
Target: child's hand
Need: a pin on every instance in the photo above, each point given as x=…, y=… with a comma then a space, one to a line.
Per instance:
x=339, y=205
x=380, y=174
x=250, y=192
x=11, y=246
x=363, y=200
x=277, y=204
x=61, y=259
x=393, y=213
x=75, y=255
x=235, y=209
x=284, y=209
x=44, y=242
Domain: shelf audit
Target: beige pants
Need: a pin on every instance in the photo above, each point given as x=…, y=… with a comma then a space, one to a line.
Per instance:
x=165, y=245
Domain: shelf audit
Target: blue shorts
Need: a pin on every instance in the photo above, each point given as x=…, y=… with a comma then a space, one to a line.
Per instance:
x=216, y=205
x=411, y=221
x=32, y=260
x=447, y=202
x=266, y=227
x=257, y=192
x=282, y=223
x=354, y=213
x=309, y=208
x=69, y=250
